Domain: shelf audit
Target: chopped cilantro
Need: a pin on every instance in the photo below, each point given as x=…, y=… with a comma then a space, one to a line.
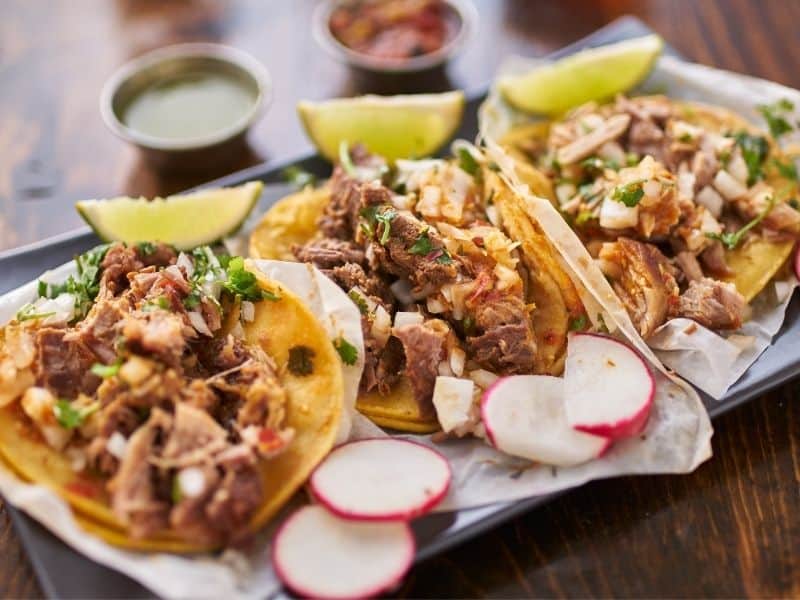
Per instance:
x=70, y=417
x=106, y=371
x=629, y=194
x=243, y=284
x=584, y=217
x=423, y=245
x=733, y=238
x=345, y=160
x=385, y=217
x=631, y=159
x=467, y=162
x=754, y=151
x=26, y=313
x=444, y=258
x=468, y=324
x=298, y=177
x=775, y=116
x=161, y=302
x=85, y=286
x=359, y=301
x=193, y=300
x=300, y=360
x=595, y=165
x=346, y=350
x=146, y=248
x=578, y=323
x=787, y=169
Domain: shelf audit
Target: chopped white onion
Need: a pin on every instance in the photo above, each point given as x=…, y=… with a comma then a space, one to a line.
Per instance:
x=452, y=398
x=710, y=198
x=652, y=189
x=493, y=215
x=612, y=151
x=402, y=291
x=116, y=445
x=565, y=192
x=77, y=459
x=482, y=378
x=403, y=318
x=686, y=181
x=381, y=325
x=197, y=321
x=457, y=360
x=185, y=262
x=615, y=215
x=738, y=168
x=248, y=311
x=435, y=305
x=192, y=482
x=727, y=185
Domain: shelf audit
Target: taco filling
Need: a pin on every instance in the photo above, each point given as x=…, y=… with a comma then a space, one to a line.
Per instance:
x=127, y=370
x=442, y=289
x=686, y=208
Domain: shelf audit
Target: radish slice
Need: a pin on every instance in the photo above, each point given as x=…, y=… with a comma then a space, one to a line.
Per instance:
x=608, y=387
x=524, y=416
x=319, y=555
x=381, y=479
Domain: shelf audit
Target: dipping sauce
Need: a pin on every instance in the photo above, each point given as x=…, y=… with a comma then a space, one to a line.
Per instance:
x=394, y=30
x=190, y=105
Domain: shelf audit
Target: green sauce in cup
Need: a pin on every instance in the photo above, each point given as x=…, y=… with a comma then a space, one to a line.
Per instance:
x=189, y=105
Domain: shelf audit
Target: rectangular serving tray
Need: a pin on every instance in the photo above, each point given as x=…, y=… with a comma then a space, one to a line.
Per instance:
x=64, y=573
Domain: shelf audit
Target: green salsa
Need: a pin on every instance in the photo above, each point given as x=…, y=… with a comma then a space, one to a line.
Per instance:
x=190, y=105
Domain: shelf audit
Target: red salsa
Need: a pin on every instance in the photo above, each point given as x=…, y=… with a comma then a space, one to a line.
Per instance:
x=394, y=30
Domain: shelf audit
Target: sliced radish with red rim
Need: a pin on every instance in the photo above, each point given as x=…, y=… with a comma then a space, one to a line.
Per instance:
x=524, y=416
x=608, y=386
x=381, y=479
x=319, y=555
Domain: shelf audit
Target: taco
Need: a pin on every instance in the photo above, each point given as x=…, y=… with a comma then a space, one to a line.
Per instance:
x=427, y=250
x=688, y=209
x=175, y=401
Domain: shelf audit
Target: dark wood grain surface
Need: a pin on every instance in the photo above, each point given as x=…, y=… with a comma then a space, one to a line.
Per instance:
x=731, y=529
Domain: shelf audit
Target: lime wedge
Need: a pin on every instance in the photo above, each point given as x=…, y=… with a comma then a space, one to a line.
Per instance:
x=593, y=74
x=395, y=127
x=185, y=221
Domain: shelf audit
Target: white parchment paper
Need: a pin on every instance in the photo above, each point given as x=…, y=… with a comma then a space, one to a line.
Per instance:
x=713, y=362
x=676, y=440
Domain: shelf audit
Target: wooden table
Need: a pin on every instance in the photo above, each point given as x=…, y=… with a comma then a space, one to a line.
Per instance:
x=729, y=529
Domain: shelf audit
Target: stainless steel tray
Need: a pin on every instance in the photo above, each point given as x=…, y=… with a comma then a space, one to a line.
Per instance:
x=63, y=573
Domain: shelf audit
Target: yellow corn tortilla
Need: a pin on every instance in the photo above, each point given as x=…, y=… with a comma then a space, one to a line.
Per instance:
x=293, y=220
x=313, y=409
x=755, y=263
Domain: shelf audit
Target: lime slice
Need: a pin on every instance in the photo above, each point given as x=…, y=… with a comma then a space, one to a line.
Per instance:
x=395, y=127
x=592, y=74
x=185, y=221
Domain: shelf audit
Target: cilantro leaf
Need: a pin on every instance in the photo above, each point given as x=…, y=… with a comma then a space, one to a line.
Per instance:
x=146, y=248
x=584, y=217
x=775, y=116
x=787, y=169
x=733, y=238
x=298, y=177
x=26, y=313
x=243, y=284
x=386, y=218
x=467, y=162
x=754, y=151
x=346, y=350
x=85, y=286
x=629, y=194
x=359, y=301
x=578, y=323
x=423, y=245
x=301, y=360
x=106, y=371
x=70, y=417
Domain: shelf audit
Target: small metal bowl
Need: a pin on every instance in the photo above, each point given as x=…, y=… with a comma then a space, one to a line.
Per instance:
x=191, y=153
x=463, y=10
